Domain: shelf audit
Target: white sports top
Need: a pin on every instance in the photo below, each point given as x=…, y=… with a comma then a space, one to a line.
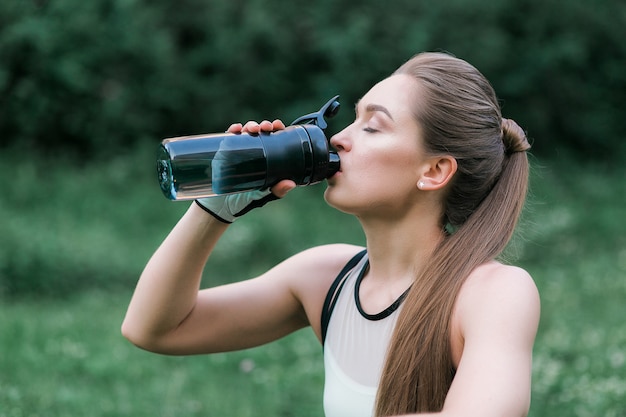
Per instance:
x=355, y=345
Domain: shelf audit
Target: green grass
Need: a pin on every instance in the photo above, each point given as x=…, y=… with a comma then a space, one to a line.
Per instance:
x=69, y=359
x=74, y=240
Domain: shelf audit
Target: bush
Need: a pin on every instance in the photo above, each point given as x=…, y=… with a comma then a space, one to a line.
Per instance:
x=81, y=75
x=89, y=77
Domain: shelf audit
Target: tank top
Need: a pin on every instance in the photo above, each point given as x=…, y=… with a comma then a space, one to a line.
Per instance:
x=355, y=344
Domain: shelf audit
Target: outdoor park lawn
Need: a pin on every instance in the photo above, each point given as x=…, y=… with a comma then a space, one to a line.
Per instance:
x=74, y=240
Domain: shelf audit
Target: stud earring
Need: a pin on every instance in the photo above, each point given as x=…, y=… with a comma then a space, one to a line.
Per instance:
x=420, y=185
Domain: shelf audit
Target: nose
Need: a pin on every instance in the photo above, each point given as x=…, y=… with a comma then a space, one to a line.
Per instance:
x=340, y=141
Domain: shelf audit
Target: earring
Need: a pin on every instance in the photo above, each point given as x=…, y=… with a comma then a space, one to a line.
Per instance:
x=420, y=185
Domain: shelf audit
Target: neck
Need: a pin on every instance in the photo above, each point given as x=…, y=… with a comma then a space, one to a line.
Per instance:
x=399, y=247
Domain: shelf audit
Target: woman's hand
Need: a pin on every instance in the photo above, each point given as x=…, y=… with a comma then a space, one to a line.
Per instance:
x=227, y=208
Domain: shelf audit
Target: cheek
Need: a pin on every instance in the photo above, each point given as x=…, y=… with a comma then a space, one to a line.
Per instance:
x=397, y=166
x=377, y=177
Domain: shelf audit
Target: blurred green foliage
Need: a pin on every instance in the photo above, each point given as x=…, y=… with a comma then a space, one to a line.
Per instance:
x=107, y=79
x=89, y=77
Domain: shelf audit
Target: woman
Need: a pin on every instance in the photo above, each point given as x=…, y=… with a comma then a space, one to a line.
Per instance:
x=424, y=320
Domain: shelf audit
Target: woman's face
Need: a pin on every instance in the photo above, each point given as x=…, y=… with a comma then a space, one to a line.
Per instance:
x=380, y=153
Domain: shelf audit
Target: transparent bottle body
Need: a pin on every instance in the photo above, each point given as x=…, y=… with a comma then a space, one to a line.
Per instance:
x=201, y=166
x=208, y=165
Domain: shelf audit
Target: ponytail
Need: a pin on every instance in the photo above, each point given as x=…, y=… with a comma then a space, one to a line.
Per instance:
x=419, y=369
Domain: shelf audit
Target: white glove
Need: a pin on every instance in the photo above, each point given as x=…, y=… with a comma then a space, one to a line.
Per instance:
x=226, y=208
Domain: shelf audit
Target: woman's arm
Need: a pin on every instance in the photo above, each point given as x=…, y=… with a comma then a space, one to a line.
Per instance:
x=169, y=314
x=167, y=289
x=497, y=313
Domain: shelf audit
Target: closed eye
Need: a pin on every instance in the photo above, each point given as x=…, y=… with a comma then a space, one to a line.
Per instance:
x=369, y=130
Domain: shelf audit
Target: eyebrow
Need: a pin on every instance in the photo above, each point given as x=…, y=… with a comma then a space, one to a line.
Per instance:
x=373, y=108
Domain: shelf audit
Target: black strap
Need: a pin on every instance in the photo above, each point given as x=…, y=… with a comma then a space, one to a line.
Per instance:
x=335, y=289
x=256, y=204
x=211, y=213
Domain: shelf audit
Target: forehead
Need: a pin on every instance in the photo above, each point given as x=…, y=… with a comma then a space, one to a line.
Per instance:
x=396, y=93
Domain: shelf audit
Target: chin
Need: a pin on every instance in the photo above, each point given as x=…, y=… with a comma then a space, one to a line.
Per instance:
x=337, y=201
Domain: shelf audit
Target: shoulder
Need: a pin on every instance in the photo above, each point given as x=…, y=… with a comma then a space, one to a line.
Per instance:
x=313, y=270
x=497, y=292
x=310, y=274
x=494, y=278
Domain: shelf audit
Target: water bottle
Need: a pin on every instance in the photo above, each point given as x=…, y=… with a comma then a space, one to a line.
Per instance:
x=199, y=166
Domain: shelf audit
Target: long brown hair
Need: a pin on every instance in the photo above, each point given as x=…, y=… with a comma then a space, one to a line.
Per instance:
x=460, y=116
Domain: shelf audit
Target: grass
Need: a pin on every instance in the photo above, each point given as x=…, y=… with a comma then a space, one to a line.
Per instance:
x=68, y=359
x=79, y=236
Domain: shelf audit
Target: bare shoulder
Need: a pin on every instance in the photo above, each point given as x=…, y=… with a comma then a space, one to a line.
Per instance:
x=500, y=278
x=500, y=291
x=310, y=274
x=315, y=267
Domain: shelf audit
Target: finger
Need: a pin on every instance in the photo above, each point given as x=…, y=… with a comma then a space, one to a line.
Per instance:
x=278, y=125
x=251, y=127
x=282, y=188
x=266, y=126
x=235, y=128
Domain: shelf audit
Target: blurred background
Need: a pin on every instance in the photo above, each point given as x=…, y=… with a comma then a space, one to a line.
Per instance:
x=88, y=89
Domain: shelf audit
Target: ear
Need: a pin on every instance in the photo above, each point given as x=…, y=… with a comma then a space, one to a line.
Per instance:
x=437, y=173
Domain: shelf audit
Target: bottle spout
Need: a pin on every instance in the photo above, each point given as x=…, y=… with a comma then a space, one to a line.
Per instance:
x=333, y=164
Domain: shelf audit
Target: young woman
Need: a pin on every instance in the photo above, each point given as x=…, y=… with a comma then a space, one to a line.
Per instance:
x=424, y=320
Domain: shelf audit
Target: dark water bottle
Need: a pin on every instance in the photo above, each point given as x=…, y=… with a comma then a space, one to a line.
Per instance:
x=199, y=166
